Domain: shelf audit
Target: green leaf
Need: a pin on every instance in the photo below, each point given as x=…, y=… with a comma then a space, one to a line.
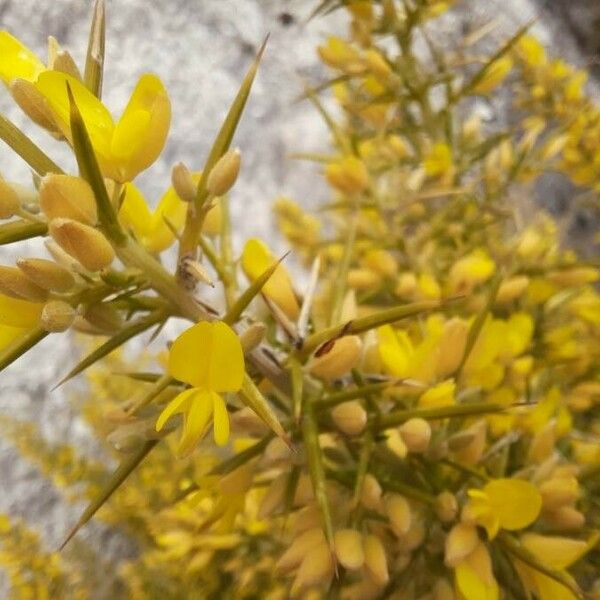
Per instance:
x=383, y=317
x=235, y=312
x=90, y=171
x=118, y=477
x=26, y=149
x=114, y=342
x=21, y=345
x=253, y=398
x=15, y=231
x=94, y=60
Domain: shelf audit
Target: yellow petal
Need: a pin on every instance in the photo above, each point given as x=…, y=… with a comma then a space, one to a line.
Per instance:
x=134, y=213
x=140, y=134
x=195, y=420
x=97, y=118
x=474, y=577
x=9, y=334
x=395, y=350
x=555, y=551
x=172, y=209
x=516, y=503
x=19, y=313
x=256, y=259
x=208, y=356
x=179, y=404
x=17, y=61
x=221, y=420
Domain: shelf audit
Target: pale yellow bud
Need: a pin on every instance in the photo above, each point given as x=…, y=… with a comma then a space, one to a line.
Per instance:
x=13, y=283
x=62, y=258
x=47, y=274
x=451, y=346
x=69, y=197
x=304, y=491
x=33, y=104
x=565, y=518
x=377, y=64
x=277, y=452
x=462, y=539
x=350, y=417
x=316, y=568
x=398, y=512
x=252, y=337
x=57, y=316
x=344, y=356
x=300, y=547
x=82, y=242
x=381, y=261
x=83, y=326
x=512, y=289
x=414, y=537
x=349, y=175
x=237, y=481
x=245, y=421
x=182, y=182
x=9, y=200
x=416, y=434
x=395, y=443
x=376, y=560
x=104, y=317
x=274, y=496
x=442, y=590
x=446, y=506
x=543, y=442
x=61, y=60
x=471, y=452
x=349, y=307
x=471, y=131
x=349, y=548
x=574, y=277
x=371, y=492
x=224, y=174
x=406, y=286
x=363, y=279
x=558, y=492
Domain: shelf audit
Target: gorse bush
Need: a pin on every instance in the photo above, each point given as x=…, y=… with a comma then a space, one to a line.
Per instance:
x=420, y=420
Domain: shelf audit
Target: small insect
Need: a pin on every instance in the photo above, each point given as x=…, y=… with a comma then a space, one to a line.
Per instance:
x=286, y=19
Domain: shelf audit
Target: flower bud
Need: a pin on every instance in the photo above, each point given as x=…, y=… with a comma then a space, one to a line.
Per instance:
x=316, y=568
x=252, y=337
x=57, y=316
x=237, y=481
x=414, y=537
x=274, y=496
x=471, y=452
x=69, y=197
x=371, y=492
x=33, y=104
x=9, y=200
x=47, y=274
x=182, y=182
x=350, y=417
x=566, y=518
x=300, y=547
x=446, y=506
x=416, y=434
x=406, y=285
x=363, y=279
x=246, y=422
x=349, y=175
x=574, y=277
x=349, y=548
x=381, y=261
x=82, y=242
x=192, y=272
x=398, y=512
x=442, y=590
x=559, y=491
x=376, y=560
x=104, y=317
x=451, y=346
x=13, y=283
x=395, y=443
x=344, y=356
x=512, y=289
x=224, y=174
x=462, y=539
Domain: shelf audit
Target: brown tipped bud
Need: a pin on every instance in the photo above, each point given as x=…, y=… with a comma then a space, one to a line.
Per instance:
x=376, y=560
x=224, y=173
x=57, y=316
x=192, y=272
x=416, y=434
x=69, y=197
x=252, y=337
x=349, y=548
x=82, y=242
x=350, y=417
x=47, y=274
x=182, y=182
x=460, y=542
x=33, y=104
x=9, y=200
x=398, y=512
x=344, y=356
x=13, y=283
x=104, y=317
x=446, y=506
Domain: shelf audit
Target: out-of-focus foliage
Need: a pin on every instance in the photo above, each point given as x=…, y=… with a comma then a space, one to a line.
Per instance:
x=421, y=421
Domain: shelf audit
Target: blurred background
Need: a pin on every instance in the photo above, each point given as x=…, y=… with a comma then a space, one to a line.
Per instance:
x=201, y=49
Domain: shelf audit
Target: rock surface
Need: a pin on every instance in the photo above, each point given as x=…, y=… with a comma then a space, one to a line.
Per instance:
x=200, y=50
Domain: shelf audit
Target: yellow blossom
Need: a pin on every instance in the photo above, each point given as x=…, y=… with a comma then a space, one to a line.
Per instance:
x=209, y=357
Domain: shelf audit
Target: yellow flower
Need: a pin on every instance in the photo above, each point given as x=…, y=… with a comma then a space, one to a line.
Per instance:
x=439, y=160
x=17, y=317
x=348, y=175
x=474, y=576
x=256, y=259
x=209, y=357
x=494, y=75
x=510, y=504
x=470, y=271
x=124, y=148
x=17, y=61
